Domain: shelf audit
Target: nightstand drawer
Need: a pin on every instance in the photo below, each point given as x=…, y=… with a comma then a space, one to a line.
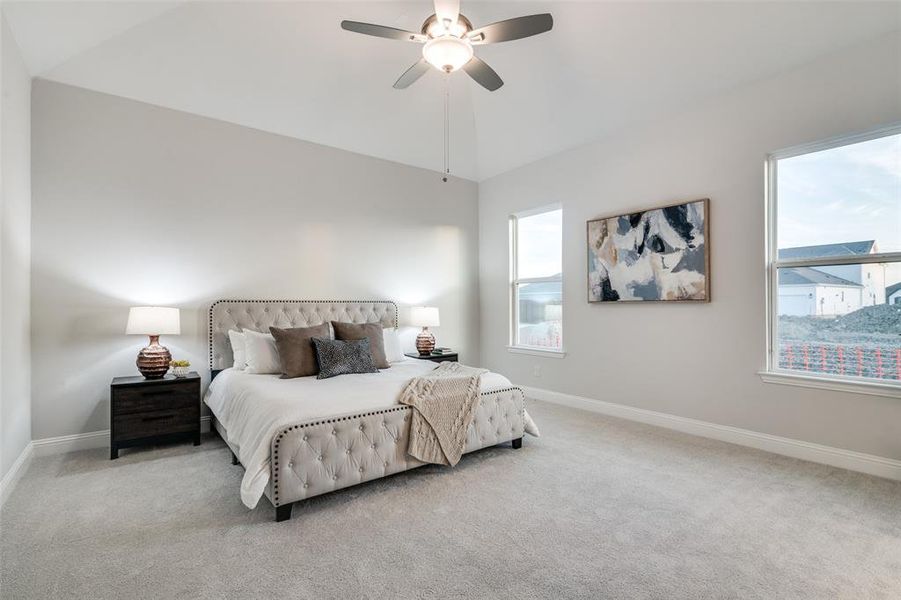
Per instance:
x=141, y=400
x=157, y=422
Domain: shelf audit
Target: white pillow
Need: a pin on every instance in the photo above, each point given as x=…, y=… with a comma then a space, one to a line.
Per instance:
x=261, y=353
x=236, y=338
x=392, y=345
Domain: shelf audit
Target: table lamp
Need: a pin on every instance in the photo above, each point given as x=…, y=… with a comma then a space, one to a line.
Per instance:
x=154, y=321
x=425, y=317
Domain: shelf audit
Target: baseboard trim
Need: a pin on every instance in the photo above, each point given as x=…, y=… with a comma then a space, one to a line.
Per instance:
x=818, y=453
x=85, y=441
x=18, y=468
x=71, y=443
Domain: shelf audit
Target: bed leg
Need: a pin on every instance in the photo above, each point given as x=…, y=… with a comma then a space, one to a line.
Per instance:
x=517, y=443
x=234, y=459
x=283, y=513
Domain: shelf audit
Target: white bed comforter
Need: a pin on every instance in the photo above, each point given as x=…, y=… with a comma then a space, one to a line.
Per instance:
x=253, y=408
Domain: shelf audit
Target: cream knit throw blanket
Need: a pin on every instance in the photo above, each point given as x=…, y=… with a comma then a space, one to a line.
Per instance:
x=444, y=402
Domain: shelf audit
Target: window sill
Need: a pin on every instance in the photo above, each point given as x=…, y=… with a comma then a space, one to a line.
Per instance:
x=871, y=388
x=537, y=351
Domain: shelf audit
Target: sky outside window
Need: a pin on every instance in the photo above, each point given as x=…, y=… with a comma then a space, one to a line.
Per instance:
x=539, y=241
x=846, y=194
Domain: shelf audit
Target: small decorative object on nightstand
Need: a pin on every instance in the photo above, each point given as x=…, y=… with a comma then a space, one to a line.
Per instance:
x=425, y=317
x=435, y=357
x=153, y=361
x=180, y=368
x=147, y=411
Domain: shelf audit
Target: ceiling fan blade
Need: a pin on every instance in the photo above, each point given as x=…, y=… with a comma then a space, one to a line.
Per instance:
x=484, y=75
x=381, y=31
x=412, y=74
x=512, y=29
x=447, y=10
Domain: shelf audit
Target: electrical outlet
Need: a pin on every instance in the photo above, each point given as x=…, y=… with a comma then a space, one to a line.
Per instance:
x=536, y=371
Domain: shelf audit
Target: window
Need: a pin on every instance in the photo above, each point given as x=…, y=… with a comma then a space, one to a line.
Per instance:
x=537, y=279
x=834, y=261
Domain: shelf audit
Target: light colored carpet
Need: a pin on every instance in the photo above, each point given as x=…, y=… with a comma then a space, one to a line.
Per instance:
x=596, y=508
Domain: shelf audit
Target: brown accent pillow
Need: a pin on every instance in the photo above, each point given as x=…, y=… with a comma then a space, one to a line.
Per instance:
x=295, y=349
x=358, y=331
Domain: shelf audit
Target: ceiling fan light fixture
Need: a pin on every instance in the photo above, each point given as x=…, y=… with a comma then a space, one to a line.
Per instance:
x=448, y=39
x=447, y=53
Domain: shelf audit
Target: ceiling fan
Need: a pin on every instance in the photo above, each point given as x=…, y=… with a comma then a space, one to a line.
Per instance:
x=448, y=39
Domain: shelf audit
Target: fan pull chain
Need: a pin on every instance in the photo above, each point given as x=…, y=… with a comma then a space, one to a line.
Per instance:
x=446, y=128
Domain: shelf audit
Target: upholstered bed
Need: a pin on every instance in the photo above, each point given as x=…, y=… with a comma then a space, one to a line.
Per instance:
x=303, y=437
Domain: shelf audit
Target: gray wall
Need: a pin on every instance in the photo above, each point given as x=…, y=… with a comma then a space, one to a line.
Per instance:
x=15, y=257
x=135, y=204
x=697, y=361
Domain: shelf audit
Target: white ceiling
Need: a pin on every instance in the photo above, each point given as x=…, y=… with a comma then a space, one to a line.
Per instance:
x=288, y=68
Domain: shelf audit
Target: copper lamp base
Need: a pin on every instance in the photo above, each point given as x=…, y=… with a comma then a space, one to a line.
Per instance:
x=153, y=361
x=425, y=342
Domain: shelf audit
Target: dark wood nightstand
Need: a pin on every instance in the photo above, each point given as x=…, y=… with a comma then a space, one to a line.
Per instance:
x=149, y=411
x=446, y=357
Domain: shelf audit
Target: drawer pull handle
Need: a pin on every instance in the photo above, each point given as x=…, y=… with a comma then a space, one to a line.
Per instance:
x=158, y=393
x=158, y=418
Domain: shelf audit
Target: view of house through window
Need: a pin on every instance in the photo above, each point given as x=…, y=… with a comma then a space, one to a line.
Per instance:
x=838, y=261
x=538, y=279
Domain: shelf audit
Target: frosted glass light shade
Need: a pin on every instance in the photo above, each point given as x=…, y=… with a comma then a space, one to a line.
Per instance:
x=153, y=320
x=424, y=316
x=447, y=53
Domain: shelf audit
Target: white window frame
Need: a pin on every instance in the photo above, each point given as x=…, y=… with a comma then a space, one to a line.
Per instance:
x=514, y=345
x=773, y=373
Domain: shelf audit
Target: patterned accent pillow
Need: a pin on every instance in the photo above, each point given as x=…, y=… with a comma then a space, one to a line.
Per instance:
x=340, y=357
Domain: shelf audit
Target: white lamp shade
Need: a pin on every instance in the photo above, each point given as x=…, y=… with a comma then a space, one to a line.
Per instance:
x=424, y=316
x=153, y=320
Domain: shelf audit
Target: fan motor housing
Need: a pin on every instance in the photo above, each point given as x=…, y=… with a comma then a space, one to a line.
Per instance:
x=462, y=21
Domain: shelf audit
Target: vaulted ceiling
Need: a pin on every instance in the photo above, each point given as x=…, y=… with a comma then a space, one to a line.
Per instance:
x=287, y=67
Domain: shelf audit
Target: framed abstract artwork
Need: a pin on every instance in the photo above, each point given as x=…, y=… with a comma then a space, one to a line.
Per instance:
x=653, y=255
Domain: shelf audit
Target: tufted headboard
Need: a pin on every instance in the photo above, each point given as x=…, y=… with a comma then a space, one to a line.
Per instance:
x=259, y=315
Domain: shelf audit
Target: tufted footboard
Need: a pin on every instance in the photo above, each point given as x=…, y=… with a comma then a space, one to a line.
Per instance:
x=329, y=454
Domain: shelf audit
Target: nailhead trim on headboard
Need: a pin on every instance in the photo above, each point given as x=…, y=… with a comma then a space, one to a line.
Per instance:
x=235, y=301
